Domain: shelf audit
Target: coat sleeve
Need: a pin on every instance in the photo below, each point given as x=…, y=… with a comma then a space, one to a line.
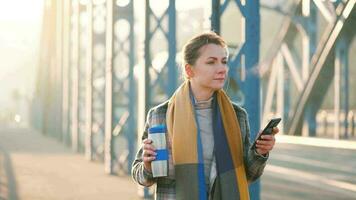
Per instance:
x=139, y=174
x=254, y=162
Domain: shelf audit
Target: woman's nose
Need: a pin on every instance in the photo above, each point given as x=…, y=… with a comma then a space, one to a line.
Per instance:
x=223, y=68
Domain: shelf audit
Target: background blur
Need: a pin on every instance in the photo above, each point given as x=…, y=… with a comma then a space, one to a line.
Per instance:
x=78, y=77
x=20, y=38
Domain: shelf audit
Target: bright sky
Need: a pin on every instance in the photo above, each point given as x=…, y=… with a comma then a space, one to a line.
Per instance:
x=20, y=24
x=20, y=10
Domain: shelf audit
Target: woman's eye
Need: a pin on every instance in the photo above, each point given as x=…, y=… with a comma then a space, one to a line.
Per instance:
x=224, y=62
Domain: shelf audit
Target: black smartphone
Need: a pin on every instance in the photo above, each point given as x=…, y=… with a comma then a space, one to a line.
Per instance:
x=267, y=130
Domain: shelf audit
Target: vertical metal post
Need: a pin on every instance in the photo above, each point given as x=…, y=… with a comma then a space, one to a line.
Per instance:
x=56, y=111
x=146, y=92
x=287, y=100
x=98, y=80
x=346, y=88
x=305, y=40
x=337, y=89
x=252, y=84
x=309, y=41
x=132, y=121
x=75, y=77
x=341, y=88
x=343, y=61
x=143, y=86
x=172, y=49
x=89, y=86
x=247, y=60
x=83, y=65
x=166, y=86
x=280, y=87
x=124, y=117
x=215, y=16
x=66, y=74
x=46, y=51
x=109, y=87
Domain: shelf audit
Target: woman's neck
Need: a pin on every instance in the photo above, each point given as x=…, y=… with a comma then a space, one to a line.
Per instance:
x=200, y=93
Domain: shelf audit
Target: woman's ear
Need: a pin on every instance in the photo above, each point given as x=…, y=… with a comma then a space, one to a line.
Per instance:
x=188, y=70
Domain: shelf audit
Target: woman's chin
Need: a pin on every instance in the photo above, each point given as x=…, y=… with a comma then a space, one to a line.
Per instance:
x=217, y=86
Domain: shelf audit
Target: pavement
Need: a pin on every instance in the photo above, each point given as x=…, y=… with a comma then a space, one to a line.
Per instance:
x=38, y=167
x=310, y=170
x=35, y=167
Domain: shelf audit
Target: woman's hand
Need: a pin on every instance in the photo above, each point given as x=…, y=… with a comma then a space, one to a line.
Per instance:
x=148, y=154
x=267, y=143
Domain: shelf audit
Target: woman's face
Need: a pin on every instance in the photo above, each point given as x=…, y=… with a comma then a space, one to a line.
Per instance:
x=210, y=70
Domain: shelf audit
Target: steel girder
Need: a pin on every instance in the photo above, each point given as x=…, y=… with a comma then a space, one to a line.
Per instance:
x=310, y=81
x=120, y=100
x=242, y=64
x=98, y=82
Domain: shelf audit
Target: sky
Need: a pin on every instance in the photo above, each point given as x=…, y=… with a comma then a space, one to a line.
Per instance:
x=20, y=23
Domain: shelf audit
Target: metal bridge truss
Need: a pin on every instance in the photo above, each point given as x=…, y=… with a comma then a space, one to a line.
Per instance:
x=160, y=79
x=121, y=92
x=102, y=99
x=308, y=76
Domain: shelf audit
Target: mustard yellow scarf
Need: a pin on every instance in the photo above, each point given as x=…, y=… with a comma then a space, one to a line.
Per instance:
x=231, y=182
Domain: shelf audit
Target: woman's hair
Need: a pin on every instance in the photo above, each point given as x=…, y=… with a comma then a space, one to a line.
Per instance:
x=191, y=50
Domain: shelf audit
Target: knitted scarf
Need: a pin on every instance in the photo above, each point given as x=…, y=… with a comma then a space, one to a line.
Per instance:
x=183, y=130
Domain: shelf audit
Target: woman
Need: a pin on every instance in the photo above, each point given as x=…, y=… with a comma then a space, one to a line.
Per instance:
x=209, y=154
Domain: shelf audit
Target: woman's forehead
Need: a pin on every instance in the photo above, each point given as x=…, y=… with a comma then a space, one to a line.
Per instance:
x=213, y=50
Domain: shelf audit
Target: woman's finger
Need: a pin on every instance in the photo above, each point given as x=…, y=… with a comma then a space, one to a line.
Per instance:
x=148, y=147
x=268, y=137
x=149, y=153
x=149, y=159
x=147, y=141
x=265, y=142
x=275, y=130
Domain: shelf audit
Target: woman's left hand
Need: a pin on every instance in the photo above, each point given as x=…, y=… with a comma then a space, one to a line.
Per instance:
x=267, y=143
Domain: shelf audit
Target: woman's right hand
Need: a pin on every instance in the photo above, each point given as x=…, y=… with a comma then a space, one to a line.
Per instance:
x=148, y=154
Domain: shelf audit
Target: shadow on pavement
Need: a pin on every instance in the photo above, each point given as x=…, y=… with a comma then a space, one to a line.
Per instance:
x=8, y=188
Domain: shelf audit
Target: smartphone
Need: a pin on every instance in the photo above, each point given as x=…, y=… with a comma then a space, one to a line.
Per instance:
x=268, y=129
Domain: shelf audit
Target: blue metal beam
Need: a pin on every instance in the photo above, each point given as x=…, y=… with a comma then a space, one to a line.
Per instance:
x=251, y=87
x=246, y=61
x=121, y=88
x=341, y=53
x=66, y=70
x=74, y=123
x=309, y=24
x=88, y=144
x=98, y=82
x=83, y=53
x=321, y=66
x=172, y=50
x=161, y=87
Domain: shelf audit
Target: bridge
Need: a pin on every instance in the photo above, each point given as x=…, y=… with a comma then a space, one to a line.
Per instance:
x=104, y=63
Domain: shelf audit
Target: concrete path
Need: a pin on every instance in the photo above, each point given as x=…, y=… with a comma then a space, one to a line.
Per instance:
x=312, y=171
x=34, y=167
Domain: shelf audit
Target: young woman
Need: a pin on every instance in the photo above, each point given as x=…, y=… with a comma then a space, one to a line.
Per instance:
x=209, y=153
